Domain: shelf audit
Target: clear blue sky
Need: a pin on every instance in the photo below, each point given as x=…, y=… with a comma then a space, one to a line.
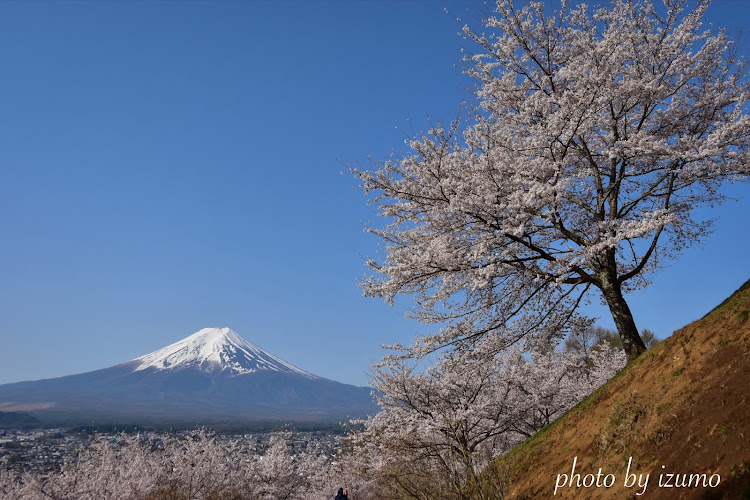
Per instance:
x=168, y=166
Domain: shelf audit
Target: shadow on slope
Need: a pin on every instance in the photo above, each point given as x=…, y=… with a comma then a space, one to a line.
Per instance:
x=683, y=407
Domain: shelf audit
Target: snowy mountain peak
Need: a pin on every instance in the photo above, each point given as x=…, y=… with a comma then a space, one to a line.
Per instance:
x=216, y=350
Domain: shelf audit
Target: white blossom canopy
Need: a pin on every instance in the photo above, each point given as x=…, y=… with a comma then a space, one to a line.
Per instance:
x=598, y=136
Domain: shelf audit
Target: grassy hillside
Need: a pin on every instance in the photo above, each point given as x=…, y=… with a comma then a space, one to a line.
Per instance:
x=683, y=407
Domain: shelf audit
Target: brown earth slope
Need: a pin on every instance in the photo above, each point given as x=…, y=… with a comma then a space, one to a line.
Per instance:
x=683, y=407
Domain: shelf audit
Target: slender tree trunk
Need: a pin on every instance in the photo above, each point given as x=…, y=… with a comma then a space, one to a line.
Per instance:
x=632, y=343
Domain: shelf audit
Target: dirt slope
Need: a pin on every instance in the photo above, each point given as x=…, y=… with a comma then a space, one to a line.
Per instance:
x=682, y=408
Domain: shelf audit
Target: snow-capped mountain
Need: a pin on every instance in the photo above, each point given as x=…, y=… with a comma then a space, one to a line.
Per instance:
x=213, y=375
x=216, y=349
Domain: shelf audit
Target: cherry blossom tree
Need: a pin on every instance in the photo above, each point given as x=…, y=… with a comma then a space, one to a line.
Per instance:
x=105, y=470
x=600, y=134
x=439, y=429
x=193, y=466
x=278, y=474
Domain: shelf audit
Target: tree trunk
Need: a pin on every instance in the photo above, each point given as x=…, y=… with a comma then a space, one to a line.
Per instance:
x=626, y=329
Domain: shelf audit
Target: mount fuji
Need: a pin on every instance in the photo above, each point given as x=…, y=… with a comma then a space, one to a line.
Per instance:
x=215, y=350
x=212, y=376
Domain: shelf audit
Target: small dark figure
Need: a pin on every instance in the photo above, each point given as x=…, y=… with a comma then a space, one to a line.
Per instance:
x=341, y=495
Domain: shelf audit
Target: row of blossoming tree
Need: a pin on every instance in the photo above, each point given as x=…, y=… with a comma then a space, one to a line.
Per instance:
x=439, y=429
x=194, y=466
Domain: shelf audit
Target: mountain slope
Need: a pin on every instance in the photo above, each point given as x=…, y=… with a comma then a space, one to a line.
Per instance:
x=213, y=375
x=683, y=407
